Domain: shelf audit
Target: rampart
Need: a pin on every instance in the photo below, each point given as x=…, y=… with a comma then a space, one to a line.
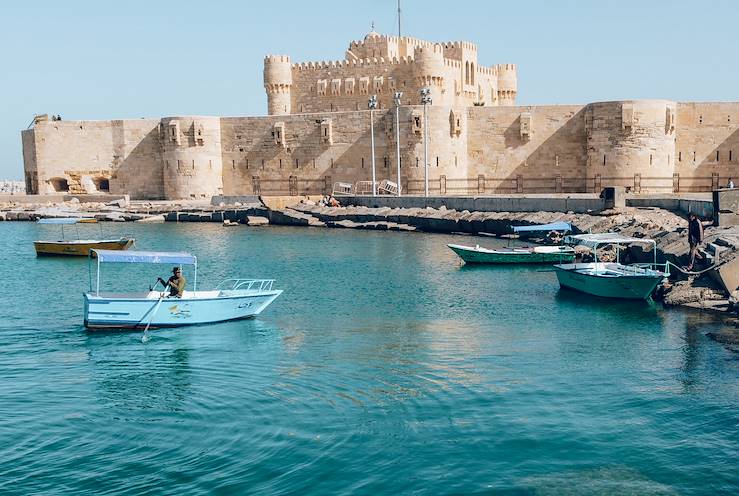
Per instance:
x=646, y=146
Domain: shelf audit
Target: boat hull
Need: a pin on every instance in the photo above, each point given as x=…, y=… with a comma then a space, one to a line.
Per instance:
x=199, y=308
x=477, y=255
x=80, y=248
x=632, y=287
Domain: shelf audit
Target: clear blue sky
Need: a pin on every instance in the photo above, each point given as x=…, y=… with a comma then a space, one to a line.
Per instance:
x=130, y=59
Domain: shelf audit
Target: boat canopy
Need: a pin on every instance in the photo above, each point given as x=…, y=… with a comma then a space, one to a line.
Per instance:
x=595, y=240
x=554, y=226
x=153, y=257
x=65, y=220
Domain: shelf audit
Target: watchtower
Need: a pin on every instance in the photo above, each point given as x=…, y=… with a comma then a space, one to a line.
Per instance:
x=278, y=82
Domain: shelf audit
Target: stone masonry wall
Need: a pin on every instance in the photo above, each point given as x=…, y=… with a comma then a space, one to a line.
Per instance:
x=649, y=146
x=94, y=156
x=526, y=149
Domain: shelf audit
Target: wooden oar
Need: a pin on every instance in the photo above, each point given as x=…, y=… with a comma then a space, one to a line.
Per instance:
x=145, y=336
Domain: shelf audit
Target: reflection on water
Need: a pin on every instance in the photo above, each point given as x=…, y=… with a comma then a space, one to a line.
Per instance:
x=139, y=379
x=385, y=367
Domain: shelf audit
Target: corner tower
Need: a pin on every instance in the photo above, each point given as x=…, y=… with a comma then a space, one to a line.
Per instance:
x=278, y=82
x=193, y=163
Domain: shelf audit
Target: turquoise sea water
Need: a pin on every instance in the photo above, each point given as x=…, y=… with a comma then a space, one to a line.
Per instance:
x=384, y=368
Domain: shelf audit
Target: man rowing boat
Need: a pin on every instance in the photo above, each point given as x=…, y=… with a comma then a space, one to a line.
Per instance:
x=176, y=283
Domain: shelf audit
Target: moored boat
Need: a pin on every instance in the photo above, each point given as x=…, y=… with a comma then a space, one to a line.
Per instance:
x=519, y=255
x=611, y=279
x=233, y=299
x=77, y=247
x=537, y=254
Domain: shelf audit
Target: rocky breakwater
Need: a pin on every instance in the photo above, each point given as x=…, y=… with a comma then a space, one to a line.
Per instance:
x=137, y=211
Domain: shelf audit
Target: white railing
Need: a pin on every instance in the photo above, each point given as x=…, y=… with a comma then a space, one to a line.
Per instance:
x=387, y=188
x=664, y=268
x=363, y=188
x=246, y=285
x=343, y=188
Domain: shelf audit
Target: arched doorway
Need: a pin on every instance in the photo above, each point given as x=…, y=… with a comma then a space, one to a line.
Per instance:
x=102, y=184
x=59, y=184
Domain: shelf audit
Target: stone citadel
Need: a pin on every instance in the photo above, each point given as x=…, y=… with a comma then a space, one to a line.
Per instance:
x=318, y=133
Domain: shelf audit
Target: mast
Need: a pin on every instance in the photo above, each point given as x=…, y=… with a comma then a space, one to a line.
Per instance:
x=398, y=18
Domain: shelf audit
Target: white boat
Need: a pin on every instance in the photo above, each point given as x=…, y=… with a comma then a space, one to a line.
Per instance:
x=611, y=279
x=232, y=299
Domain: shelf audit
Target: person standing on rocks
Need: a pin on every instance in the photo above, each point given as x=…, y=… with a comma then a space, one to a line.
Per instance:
x=695, y=238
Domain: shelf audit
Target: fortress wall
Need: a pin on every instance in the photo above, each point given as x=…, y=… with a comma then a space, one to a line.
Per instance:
x=68, y=150
x=707, y=148
x=555, y=146
x=304, y=151
x=251, y=149
x=81, y=156
x=631, y=144
x=648, y=147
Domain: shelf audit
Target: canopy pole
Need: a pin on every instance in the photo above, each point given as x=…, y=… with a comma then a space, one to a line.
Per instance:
x=595, y=252
x=654, y=250
x=89, y=268
x=97, y=289
x=195, y=279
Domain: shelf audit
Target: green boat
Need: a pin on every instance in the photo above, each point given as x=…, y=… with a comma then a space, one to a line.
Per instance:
x=537, y=254
x=520, y=255
x=611, y=279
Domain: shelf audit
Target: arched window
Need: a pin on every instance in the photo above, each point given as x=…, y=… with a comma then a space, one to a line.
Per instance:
x=466, y=73
x=472, y=73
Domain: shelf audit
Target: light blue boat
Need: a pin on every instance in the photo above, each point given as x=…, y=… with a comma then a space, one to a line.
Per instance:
x=232, y=299
x=611, y=279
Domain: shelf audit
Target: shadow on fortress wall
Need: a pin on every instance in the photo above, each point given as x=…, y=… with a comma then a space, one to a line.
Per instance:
x=702, y=179
x=140, y=173
x=307, y=148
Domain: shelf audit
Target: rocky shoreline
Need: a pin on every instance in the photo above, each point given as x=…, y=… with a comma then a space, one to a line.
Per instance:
x=667, y=228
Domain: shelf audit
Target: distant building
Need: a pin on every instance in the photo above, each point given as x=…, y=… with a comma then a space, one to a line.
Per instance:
x=317, y=133
x=12, y=187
